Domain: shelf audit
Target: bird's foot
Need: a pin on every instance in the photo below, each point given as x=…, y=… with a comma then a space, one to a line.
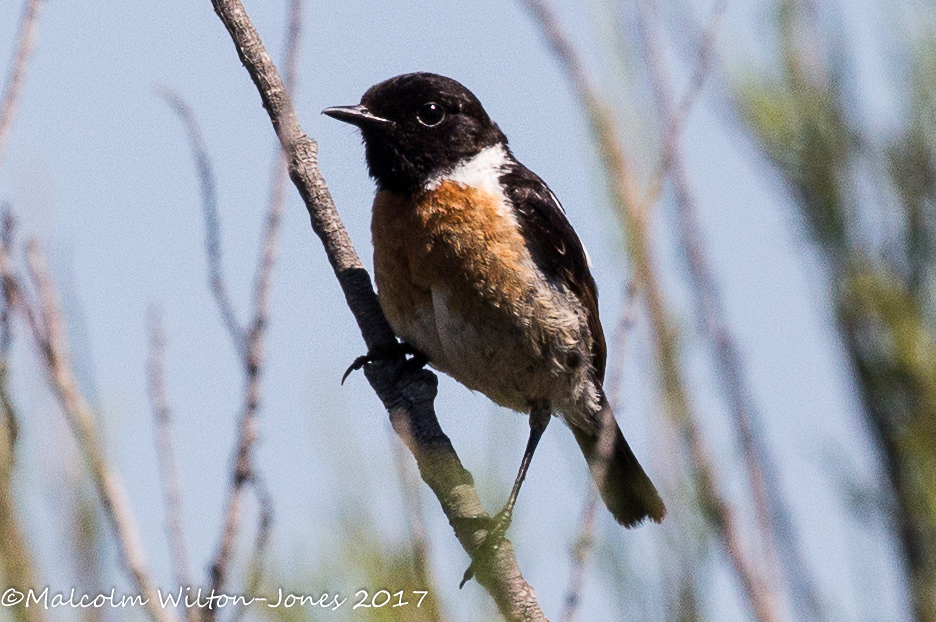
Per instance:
x=417, y=361
x=497, y=529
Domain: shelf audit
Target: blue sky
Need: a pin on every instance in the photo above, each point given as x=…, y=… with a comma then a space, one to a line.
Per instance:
x=98, y=169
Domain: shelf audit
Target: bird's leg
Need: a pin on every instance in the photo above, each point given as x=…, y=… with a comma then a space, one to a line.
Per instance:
x=540, y=414
x=398, y=349
x=539, y=419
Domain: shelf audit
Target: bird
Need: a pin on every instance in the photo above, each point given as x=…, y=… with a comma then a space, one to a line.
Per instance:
x=479, y=271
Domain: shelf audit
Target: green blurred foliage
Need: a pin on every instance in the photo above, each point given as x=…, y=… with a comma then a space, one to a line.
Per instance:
x=803, y=118
x=374, y=565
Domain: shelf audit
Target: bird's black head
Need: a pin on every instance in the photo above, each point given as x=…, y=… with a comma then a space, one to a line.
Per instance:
x=416, y=126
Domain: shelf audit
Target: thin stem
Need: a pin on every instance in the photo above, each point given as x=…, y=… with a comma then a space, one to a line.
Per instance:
x=702, y=279
x=48, y=330
x=418, y=533
x=244, y=469
x=209, y=195
x=15, y=556
x=165, y=452
x=586, y=538
x=26, y=41
x=715, y=507
x=676, y=117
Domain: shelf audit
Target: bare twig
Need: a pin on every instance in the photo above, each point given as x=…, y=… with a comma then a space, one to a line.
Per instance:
x=248, y=345
x=244, y=473
x=715, y=507
x=772, y=515
x=408, y=395
x=418, y=535
x=675, y=119
x=253, y=355
x=26, y=40
x=704, y=286
x=586, y=537
x=212, y=220
x=291, y=54
x=7, y=229
x=580, y=552
x=279, y=178
x=626, y=323
x=165, y=451
x=17, y=298
x=86, y=544
x=16, y=568
x=417, y=524
x=48, y=330
x=261, y=541
x=7, y=233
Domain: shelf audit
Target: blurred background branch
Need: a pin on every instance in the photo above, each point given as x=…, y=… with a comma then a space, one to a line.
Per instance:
x=26, y=40
x=772, y=517
x=743, y=147
x=48, y=329
x=878, y=249
x=166, y=454
x=16, y=565
x=248, y=343
x=263, y=286
x=713, y=504
x=209, y=195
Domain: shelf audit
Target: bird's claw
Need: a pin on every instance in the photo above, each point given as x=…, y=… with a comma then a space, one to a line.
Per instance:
x=418, y=360
x=492, y=542
x=358, y=363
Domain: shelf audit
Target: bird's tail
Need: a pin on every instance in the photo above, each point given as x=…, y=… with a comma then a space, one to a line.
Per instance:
x=625, y=488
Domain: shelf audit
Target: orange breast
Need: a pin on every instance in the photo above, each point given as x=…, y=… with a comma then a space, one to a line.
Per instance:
x=461, y=241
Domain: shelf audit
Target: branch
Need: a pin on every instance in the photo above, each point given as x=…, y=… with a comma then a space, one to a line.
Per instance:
x=702, y=278
x=583, y=546
x=48, y=330
x=247, y=345
x=244, y=470
x=715, y=507
x=165, y=450
x=25, y=42
x=586, y=538
x=7, y=234
x=419, y=540
x=261, y=541
x=15, y=556
x=210, y=208
x=408, y=395
x=264, y=283
x=626, y=322
x=772, y=515
x=675, y=118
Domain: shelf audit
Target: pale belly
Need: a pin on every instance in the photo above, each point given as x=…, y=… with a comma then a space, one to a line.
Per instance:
x=515, y=354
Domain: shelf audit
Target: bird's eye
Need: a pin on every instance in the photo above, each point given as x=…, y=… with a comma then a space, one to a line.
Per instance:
x=430, y=114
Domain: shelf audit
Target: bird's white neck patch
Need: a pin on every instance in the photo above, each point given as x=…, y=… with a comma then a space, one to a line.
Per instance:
x=482, y=171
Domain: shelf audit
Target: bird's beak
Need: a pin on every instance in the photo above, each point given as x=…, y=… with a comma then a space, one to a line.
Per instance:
x=357, y=115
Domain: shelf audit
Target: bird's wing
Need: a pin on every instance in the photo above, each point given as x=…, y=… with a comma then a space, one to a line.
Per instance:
x=555, y=246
